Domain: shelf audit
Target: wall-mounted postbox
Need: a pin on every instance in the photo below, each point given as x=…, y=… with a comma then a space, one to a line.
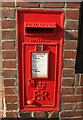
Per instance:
x=40, y=39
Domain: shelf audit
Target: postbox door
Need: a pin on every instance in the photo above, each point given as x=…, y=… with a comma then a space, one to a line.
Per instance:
x=39, y=75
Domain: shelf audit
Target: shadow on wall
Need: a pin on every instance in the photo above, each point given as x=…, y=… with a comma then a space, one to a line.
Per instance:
x=79, y=58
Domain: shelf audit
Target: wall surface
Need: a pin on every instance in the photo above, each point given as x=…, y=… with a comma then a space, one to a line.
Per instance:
x=71, y=103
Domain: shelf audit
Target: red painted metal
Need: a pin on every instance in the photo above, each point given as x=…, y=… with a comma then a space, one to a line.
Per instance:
x=45, y=28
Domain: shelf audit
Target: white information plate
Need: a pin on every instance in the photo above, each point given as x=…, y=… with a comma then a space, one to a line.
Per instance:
x=39, y=64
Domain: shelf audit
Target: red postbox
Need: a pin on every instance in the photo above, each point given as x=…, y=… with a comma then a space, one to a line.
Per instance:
x=39, y=44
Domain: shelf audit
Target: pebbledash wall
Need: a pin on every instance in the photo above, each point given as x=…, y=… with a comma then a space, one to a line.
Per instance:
x=71, y=102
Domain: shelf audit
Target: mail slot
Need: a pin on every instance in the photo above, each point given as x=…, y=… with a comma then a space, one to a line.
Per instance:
x=39, y=44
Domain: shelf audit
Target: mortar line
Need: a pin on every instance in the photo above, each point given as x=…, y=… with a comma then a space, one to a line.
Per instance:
x=12, y=102
x=8, y=59
x=10, y=86
x=71, y=40
x=15, y=3
x=8, y=40
x=11, y=29
x=59, y=8
x=9, y=78
x=7, y=50
x=9, y=69
x=16, y=61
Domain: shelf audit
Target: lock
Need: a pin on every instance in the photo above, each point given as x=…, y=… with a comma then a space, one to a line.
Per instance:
x=40, y=43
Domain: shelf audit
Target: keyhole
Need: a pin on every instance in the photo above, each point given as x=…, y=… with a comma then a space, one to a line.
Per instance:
x=39, y=47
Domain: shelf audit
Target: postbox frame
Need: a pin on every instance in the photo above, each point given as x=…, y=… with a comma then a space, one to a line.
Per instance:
x=58, y=43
